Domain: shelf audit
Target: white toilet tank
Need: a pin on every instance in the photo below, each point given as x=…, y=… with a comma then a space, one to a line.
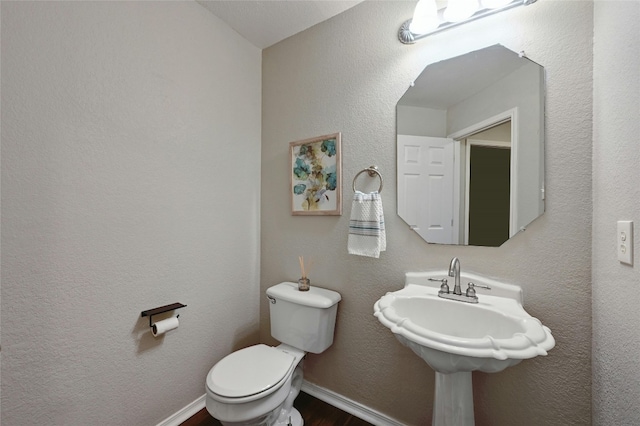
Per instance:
x=303, y=319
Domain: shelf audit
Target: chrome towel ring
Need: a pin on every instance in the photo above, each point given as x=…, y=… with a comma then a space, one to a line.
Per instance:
x=372, y=171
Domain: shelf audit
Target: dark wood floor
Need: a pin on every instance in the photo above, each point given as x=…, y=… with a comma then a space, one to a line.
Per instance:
x=314, y=412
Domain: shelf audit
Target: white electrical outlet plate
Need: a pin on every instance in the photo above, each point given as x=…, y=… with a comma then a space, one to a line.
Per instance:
x=625, y=241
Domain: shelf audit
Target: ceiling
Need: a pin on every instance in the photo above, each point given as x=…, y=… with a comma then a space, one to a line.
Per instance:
x=267, y=22
x=460, y=77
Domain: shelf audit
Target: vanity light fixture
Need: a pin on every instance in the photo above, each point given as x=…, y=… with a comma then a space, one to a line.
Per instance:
x=429, y=19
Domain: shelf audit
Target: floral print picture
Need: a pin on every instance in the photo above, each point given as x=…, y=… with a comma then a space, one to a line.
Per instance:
x=316, y=170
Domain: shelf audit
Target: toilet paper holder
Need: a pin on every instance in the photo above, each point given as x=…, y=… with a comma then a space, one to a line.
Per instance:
x=162, y=309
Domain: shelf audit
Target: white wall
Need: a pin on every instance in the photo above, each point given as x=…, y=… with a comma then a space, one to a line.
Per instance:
x=500, y=133
x=616, y=196
x=417, y=121
x=347, y=75
x=130, y=180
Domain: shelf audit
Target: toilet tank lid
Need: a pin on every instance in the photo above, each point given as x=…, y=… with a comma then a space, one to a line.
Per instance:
x=316, y=297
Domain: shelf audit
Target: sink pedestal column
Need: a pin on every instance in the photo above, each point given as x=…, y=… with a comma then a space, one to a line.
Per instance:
x=453, y=401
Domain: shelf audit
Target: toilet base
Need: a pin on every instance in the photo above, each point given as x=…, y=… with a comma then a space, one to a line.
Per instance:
x=295, y=419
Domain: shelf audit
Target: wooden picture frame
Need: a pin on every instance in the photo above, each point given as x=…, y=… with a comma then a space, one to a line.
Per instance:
x=315, y=176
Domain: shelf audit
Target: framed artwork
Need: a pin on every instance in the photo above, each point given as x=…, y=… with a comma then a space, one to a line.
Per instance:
x=316, y=176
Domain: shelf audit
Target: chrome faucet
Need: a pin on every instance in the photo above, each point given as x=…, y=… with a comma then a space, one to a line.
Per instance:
x=456, y=294
x=454, y=271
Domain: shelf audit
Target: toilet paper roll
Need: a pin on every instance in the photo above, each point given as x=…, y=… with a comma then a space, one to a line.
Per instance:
x=165, y=325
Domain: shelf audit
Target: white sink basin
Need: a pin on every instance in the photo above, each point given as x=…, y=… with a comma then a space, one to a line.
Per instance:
x=453, y=336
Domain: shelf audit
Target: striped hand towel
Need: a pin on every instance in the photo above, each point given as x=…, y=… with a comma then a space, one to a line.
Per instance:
x=366, y=227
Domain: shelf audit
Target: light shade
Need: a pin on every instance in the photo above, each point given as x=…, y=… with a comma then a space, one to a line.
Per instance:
x=428, y=19
x=495, y=4
x=425, y=17
x=459, y=10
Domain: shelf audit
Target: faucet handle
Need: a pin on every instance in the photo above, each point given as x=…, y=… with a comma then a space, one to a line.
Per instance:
x=471, y=291
x=444, y=287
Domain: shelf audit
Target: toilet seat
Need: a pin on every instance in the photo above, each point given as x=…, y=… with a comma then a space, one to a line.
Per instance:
x=250, y=373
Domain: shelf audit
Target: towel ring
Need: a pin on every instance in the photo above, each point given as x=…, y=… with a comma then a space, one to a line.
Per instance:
x=372, y=171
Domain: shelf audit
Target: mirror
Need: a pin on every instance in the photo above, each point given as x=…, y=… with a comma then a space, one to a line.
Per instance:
x=470, y=148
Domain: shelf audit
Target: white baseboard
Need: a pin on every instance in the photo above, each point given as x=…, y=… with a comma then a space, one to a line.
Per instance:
x=182, y=415
x=345, y=404
x=349, y=406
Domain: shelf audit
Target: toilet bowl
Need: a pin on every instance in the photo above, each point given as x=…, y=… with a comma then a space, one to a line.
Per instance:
x=257, y=385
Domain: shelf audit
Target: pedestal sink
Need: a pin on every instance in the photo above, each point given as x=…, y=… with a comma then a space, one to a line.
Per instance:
x=456, y=338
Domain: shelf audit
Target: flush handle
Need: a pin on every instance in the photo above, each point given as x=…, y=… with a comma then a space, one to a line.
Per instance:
x=272, y=300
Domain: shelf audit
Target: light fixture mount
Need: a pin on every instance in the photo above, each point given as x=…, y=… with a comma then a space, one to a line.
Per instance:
x=404, y=33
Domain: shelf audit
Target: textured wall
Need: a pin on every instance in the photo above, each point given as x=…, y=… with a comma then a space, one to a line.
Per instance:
x=130, y=180
x=616, y=196
x=346, y=75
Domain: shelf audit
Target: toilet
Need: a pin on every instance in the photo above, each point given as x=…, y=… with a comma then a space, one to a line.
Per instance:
x=258, y=384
